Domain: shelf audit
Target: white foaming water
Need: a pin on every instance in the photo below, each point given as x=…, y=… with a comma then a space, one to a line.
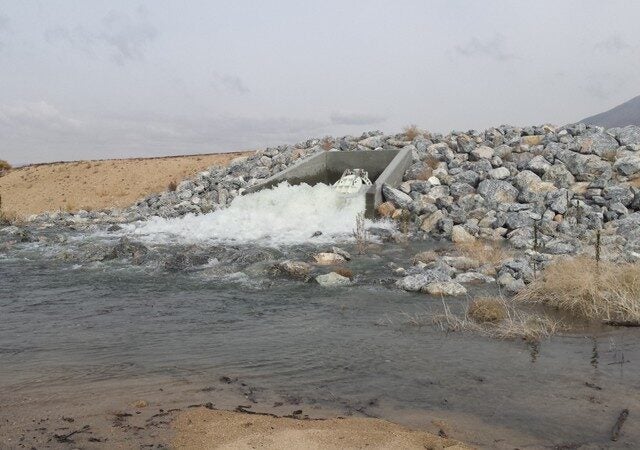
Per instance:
x=283, y=215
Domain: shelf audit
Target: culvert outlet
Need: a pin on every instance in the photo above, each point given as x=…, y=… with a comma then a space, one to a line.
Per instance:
x=384, y=167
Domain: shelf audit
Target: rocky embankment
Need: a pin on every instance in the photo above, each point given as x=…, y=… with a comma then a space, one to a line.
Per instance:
x=542, y=190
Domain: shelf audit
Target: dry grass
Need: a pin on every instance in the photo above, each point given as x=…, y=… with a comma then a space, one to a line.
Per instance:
x=361, y=234
x=515, y=324
x=411, y=132
x=607, y=292
x=172, y=186
x=326, y=143
x=4, y=165
x=486, y=252
x=487, y=310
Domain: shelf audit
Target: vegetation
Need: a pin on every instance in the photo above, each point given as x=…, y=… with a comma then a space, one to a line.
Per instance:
x=513, y=323
x=589, y=289
x=326, y=143
x=172, y=186
x=411, y=132
x=487, y=310
x=484, y=251
x=4, y=165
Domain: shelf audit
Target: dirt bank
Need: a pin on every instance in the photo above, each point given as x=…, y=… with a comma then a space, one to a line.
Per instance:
x=206, y=429
x=71, y=186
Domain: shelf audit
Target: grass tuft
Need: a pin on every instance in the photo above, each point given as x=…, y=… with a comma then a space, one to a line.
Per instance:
x=4, y=165
x=594, y=291
x=411, y=132
x=172, y=186
x=487, y=310
x=486, y=252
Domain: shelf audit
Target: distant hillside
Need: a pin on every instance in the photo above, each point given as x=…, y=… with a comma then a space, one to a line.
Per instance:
x=622, y=115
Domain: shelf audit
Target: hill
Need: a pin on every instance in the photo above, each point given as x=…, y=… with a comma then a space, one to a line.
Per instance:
x=622, y=115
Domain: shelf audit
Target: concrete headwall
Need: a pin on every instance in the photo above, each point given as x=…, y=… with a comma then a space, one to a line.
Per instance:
x=383, y=166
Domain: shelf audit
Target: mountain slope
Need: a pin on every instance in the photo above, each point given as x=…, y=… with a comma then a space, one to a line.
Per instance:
x=622, y=115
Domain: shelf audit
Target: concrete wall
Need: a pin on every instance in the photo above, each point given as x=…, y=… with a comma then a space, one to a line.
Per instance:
x=383, y=166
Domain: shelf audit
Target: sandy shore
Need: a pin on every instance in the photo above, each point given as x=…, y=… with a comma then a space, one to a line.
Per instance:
x=70, y=186
x=209, y=429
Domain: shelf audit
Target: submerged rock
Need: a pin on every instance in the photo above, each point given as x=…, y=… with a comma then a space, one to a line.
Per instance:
x=332, y=279
x=298, y=270
x=182, y=261
x=126, y=248
x=327, y=259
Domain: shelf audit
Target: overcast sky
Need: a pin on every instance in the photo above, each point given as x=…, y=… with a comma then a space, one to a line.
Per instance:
x=104, y=79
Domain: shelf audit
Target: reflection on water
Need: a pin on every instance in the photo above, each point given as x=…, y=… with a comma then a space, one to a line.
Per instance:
x=74, y=326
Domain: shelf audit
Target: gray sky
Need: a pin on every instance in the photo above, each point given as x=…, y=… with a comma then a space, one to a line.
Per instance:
x=103, y=79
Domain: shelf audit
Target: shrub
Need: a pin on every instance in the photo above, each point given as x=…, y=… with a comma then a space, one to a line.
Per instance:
x=595, y=291
x=172, y=186
x=326, y=143
x=432, y=162
x=487, y=310
x=4, y=165
x=411, y=132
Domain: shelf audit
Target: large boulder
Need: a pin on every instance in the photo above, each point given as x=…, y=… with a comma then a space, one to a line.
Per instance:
x=627, y=165
x=497, y=191
x=396, y=196
x=629, y=135
x=598, y=143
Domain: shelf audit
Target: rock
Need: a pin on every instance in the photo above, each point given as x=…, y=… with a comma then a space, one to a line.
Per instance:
x=293, y=269
x=182, y=261
x=538, y=165
x=126, y=248
x=396, y=196
x=426, y=257
x=499, y=173
x=431, y=222
x=415, y=283
x=532, y=140
x=372, y=142
x=445, y=288
x=332, y=279
x=482, y=152
x=496, y=191
x=598, y=143
x=473, y=278
x=459, y=235
x=531, y=187
x=627, y=165
x=559, y=175
x=509, y=283
x=461, y=262
x=327, y=259
x=386, y=209
x=629, y=135
x=338, y=251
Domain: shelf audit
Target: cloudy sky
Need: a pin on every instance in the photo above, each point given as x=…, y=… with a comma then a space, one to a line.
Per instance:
x=102, y=79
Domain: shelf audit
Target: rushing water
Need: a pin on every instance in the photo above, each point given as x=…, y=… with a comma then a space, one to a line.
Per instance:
x=65, y=321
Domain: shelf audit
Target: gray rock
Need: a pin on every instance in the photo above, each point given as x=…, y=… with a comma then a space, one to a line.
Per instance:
x=415, y=283
x=445, y=288
x=396, y=196
x=332, y=280
x=538, y=165
x=298, y=270
x=627, y=165
x=499, y=173
x=559, y=175
x=496, y=191
x=629, y=135
x=473, y=278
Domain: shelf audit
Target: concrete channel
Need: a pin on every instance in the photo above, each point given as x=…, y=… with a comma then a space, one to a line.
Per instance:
x=384, y=167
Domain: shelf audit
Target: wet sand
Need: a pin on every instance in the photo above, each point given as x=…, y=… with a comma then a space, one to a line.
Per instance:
x=161, y=412
x=91, y=185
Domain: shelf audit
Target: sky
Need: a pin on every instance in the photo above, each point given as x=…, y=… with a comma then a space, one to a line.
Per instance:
x=107, y=79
